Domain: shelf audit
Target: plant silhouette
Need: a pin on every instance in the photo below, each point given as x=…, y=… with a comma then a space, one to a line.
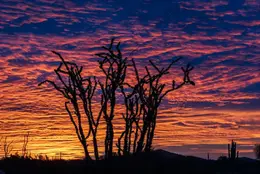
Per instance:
x=78, y=91
x=151, y=92
x=114, y=66
x=232, y=151
x=141, y=100
x=257, y=150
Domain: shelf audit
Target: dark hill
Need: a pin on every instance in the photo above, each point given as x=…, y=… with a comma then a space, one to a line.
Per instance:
x=158, y=161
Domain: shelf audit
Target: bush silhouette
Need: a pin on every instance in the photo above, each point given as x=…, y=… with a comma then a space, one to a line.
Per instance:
x=141, y=100
x=257, y=151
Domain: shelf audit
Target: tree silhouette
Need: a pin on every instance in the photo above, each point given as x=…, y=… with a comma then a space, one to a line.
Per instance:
x=114, y=66
x=78, y=91
x=141, y=100
x=134, y=110
x=257, y=151
x=151, y=92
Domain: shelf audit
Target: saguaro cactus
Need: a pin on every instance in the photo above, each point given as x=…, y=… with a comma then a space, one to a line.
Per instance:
x=232, y=150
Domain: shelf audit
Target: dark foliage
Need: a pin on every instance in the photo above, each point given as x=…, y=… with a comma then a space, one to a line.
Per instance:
x=158, y=162
x=257, y=151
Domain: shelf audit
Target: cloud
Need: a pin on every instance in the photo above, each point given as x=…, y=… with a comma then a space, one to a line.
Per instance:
x=11, y=79
x=253, y=88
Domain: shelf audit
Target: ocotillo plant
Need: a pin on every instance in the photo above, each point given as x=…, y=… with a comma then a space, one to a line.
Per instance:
x=114, y=66
x=143, y=102
x=78, y=91
x=151, y=92
x=25, y=143
x=232, y=151
x=134, y=109
x=8, y=148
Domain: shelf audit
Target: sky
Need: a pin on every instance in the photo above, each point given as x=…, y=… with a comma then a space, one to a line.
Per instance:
x=220, y=38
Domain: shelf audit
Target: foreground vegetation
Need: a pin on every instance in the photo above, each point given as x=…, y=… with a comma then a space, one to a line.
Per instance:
x=155, y=161
x=140, y=99
x=158, y=161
